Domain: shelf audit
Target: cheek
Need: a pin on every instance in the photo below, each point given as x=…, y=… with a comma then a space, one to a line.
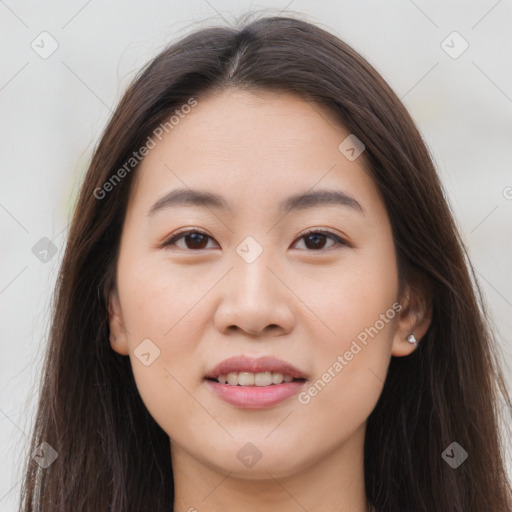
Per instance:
x=165, y=308
x=358, y=305
x=351, y=297
x=158, y=296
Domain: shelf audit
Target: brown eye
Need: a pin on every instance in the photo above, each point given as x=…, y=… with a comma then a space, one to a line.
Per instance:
x=193, y=239
x=316, y=240
x=196, y=241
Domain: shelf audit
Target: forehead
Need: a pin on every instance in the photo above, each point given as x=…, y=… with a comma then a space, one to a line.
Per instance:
x=234, y=120
x=248, y=145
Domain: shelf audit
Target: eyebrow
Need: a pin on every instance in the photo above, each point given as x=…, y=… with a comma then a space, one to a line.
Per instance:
x=300, y=201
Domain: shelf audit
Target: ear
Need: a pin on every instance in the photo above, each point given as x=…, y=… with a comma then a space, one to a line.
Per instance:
x=414, y=318
x=118, y=333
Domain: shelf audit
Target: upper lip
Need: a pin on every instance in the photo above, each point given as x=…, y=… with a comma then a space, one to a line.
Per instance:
x=248, y=364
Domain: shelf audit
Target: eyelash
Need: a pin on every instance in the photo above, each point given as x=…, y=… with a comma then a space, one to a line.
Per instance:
x=340, y=241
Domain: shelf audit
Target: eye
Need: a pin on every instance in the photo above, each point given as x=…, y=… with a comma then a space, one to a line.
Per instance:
x=193, y=239
x=315, y=239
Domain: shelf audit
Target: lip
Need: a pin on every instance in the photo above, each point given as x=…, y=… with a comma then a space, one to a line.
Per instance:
x=255, y=397
x=248, y=364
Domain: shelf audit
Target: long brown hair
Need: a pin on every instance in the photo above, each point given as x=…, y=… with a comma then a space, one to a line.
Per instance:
x=112, y=455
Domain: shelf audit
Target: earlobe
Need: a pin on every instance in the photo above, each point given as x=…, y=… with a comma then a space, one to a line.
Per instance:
x=118, y=335
x=413, y=321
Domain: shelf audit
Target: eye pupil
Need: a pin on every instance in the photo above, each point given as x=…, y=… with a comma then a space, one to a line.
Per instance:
x=198, y=240
x=315, y=238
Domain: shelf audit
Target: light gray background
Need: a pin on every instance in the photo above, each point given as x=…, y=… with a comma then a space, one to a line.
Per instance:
x=54, y=109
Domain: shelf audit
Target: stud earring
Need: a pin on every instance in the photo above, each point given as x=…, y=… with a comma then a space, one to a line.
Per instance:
x=411, y=339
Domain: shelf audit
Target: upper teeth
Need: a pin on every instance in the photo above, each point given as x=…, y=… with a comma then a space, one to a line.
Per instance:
x=253, y=379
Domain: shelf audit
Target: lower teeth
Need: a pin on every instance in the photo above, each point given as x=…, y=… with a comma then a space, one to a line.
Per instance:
x=253, y=385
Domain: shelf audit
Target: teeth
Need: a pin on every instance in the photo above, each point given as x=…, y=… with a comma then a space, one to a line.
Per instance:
x=277, y=378
x=253, y=379
x=246, y=379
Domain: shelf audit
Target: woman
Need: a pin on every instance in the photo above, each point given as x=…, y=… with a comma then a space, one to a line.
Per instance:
x=264, y=300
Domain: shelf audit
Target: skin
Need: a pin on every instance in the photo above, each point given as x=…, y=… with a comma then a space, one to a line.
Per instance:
x=300, y=304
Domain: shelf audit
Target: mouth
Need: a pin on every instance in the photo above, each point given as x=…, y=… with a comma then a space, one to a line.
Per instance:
x=255, y=383
x=249, y=379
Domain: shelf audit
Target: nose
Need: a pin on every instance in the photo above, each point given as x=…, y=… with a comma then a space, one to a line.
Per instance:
x=254, y=300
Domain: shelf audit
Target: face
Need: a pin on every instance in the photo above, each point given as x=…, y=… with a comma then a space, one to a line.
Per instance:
x=241, y=275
